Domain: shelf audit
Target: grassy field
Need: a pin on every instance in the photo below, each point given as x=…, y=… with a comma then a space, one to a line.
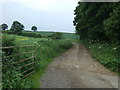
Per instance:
x=71, y=36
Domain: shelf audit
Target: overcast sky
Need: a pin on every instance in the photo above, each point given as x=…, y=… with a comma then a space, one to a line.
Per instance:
x=51, y=15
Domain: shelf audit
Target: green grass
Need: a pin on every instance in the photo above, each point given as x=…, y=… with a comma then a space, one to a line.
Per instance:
x=45, y=55
x=106, y=54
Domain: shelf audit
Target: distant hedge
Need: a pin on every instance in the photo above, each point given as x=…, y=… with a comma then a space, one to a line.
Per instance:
x=30, y=34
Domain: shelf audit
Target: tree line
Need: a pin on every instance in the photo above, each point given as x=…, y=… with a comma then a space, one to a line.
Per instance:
x=16, y=27
x=98, y=21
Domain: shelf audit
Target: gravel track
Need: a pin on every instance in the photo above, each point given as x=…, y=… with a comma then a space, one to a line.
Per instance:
x=77, y=69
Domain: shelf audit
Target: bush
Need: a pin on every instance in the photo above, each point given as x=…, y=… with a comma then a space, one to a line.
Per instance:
x=7, y=32
x=106, y=54
x=112, y=27
x=27, y=34
x=56, y=35
x=8, y=41
x=11, y=76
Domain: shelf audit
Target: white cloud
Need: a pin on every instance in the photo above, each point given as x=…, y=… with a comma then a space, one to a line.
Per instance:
x=47, y=5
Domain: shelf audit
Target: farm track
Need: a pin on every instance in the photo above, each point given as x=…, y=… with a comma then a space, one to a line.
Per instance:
x=77, y=69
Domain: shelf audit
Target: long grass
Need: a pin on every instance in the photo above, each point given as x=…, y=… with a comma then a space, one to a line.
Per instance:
x=106, y=54
x=46, y=53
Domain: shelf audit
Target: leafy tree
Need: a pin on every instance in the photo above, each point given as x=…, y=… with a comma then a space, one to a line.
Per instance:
x=0, y=28
x=94, y=19
x=4, y=26
x=112, y=25
x=34, y=28
x=17, y=27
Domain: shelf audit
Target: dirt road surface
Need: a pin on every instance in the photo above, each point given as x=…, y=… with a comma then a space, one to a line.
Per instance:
x=77, y=69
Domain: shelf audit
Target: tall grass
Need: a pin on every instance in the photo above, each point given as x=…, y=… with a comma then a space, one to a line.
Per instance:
x=106, y=54
x=11, y=76
x=46, y=53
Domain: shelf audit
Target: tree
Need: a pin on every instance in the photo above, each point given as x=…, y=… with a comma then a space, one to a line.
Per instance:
x=4, y=26
x=0, y=27
x=34, y=28
x=93, y=19
x=112, y=25
x=17, y=27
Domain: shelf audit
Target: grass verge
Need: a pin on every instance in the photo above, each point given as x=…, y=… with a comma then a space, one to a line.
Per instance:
x=106, y=54
x=46, y=52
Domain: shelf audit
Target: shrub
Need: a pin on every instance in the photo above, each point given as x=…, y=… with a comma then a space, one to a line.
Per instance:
x=106, y=54
x=7, y=32
x=8, y=41
x=11, y=76
x=31, y=35
x=56, y=35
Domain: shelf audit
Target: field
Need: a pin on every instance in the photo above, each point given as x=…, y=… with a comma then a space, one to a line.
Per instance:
x=71, y=36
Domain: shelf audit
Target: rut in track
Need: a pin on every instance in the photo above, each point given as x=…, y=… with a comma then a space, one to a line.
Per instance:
x=77, y=69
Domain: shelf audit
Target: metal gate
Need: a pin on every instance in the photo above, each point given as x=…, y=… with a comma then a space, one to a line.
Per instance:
x=27, y=68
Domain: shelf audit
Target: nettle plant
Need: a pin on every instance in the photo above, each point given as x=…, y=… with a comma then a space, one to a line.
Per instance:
x=11, y=76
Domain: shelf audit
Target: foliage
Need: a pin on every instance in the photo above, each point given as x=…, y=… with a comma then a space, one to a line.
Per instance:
x=111, y=25
x=0, y=28
x=47, y=50
x=41, y=34
x=11, y=76
x=7, y=32
x=17, y=27
x=106, y=54
x=8, y=41
x=4, y=26
x=56, y=35
x=31, y=35
x=97, y=21
x=34, y=28
x=71, y=36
